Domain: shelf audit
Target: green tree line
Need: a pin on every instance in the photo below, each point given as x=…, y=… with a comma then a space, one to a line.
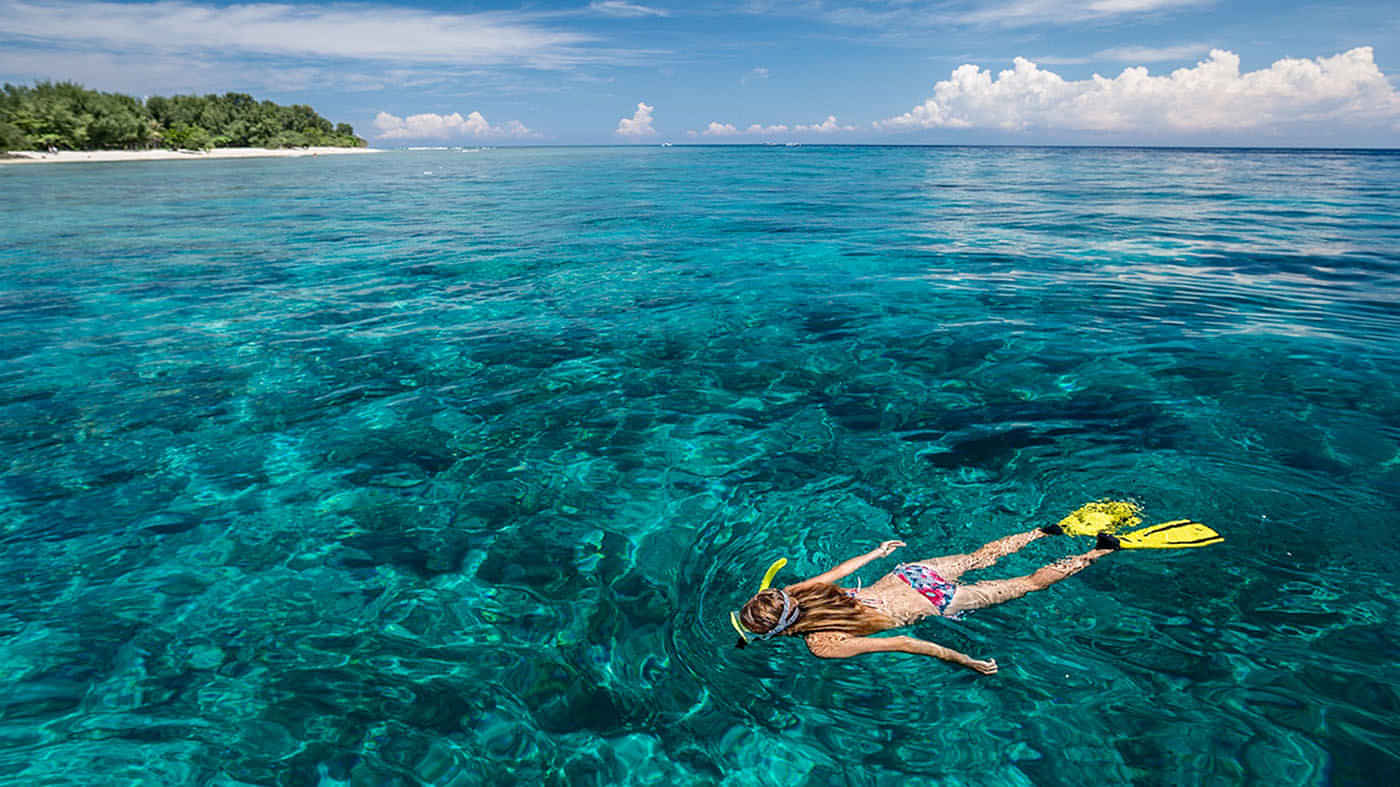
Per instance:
x=68, y=116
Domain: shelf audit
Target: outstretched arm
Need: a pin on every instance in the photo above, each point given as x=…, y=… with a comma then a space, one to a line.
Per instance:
x=851, y=566
x=854, y=646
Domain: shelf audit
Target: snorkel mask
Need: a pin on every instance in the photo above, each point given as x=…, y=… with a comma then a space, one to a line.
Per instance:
x=787, y=618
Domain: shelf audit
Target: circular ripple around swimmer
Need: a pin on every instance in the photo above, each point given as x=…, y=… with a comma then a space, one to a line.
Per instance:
x=724, y=567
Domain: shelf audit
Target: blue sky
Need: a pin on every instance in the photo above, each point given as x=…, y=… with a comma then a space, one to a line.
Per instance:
x=721, y=71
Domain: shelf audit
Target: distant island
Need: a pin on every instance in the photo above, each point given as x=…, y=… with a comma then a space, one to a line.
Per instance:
x=66, y=116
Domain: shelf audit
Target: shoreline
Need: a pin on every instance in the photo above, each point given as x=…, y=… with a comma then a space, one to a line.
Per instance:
x=106, y=156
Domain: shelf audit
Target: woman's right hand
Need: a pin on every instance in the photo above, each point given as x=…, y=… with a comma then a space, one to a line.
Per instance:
x=887, y=547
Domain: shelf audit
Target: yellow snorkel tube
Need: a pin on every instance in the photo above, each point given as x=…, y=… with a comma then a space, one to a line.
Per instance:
x=745, y=634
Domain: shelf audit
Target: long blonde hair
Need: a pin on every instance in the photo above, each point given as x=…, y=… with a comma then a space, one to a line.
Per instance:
x=821, y=606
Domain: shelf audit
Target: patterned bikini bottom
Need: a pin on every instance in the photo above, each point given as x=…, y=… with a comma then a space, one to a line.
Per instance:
x=930, y=585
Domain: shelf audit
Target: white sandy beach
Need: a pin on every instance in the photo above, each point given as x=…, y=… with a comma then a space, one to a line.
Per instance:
x=91, y=156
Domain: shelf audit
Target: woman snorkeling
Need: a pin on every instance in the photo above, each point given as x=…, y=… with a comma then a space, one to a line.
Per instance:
x=837, y=622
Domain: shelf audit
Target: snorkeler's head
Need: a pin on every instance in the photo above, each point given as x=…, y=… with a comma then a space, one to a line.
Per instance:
x=806, y=609
x=784, y=617
x=762, y=613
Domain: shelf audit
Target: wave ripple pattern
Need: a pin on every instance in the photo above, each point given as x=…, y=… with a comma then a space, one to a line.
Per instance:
x=446, y=467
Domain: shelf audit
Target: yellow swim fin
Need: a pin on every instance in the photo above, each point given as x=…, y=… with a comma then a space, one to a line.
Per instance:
x=1177, y=534
x=1101, y=516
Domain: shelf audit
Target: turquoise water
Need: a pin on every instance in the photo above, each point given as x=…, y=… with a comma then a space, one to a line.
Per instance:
x=446, y=467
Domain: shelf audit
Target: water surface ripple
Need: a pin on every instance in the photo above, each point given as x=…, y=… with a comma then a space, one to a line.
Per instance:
x=446, y=467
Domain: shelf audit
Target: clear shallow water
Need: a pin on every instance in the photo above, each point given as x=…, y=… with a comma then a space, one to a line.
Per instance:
x=446, y=467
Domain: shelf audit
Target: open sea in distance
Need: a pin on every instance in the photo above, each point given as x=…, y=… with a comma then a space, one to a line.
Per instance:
x=446, y=467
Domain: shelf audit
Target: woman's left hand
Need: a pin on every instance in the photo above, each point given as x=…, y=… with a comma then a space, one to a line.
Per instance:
x=887, y=547
x=988, y=667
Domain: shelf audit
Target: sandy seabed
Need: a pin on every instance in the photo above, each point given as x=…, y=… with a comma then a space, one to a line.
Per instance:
x=88, y=156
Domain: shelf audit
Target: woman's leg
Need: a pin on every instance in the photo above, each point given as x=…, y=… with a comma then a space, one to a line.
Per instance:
x=950, y=567
x=992, y=592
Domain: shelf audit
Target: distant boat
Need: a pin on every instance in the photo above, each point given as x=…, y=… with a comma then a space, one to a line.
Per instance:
x=792, y=144
x=665, y=144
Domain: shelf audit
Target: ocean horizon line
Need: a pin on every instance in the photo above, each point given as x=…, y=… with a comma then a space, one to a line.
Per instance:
x=648, y=145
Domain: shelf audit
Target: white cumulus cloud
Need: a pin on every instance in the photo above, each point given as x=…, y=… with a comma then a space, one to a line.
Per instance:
x=639, y=125
x=718, y=129
x=1211, y=96
x=828, y=126
x=453, y=126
